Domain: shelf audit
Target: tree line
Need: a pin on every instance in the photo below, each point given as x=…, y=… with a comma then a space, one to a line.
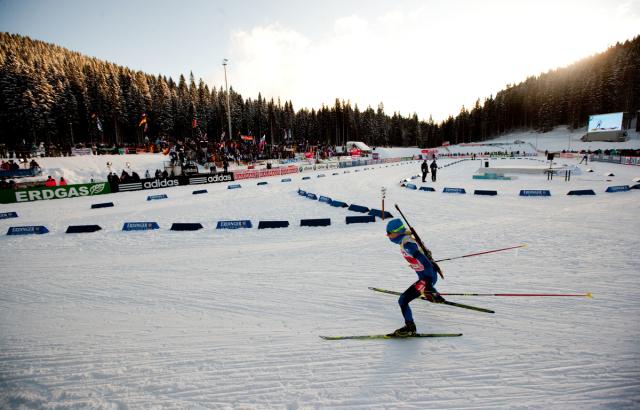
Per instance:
x=51, y=94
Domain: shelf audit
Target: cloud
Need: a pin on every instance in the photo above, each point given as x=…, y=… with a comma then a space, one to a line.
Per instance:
x=429, y=60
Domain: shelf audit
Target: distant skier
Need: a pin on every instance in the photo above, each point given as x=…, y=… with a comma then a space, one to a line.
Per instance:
x=426, y=269
x=434, y=169
x=585, y=159
x=425, y=169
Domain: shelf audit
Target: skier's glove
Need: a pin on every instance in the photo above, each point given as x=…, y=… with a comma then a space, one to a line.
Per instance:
x=428, y=292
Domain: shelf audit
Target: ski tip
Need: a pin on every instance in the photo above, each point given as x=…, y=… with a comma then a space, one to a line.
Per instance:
x=589, y=295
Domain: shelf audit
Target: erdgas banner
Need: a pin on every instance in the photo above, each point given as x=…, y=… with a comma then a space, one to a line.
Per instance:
x=8, y=196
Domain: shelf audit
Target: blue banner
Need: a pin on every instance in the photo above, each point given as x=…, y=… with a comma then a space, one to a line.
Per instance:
x=618, y=188
x=535, y=192
x=140, y=226
x=454, y=190
x=7, y=215
x=27, y=230
x=325, y=199
x=234, y=224
x=154, y=197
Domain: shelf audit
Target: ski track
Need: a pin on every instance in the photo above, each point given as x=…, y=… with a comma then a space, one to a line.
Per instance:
x=231, y=319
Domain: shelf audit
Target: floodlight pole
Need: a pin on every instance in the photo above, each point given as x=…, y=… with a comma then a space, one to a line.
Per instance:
x=224, y=64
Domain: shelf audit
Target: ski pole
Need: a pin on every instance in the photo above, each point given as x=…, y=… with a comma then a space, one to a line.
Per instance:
x=585, y=295
x=418, y=240
x=482, y=253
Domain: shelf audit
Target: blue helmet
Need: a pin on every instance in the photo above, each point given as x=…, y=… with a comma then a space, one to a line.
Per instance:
x=396, y=230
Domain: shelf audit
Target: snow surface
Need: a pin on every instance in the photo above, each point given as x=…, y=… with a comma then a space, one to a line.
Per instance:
x=231, y=319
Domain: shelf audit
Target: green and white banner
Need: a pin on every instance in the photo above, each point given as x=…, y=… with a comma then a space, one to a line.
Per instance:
x=9, y=196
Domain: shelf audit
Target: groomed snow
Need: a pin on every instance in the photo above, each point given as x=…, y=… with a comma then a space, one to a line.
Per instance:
x=231, y=319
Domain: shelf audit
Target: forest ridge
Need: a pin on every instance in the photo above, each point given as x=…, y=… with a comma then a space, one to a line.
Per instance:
x=49, y=93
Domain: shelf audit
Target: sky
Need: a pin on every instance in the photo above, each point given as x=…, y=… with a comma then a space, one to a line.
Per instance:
x=423, y=57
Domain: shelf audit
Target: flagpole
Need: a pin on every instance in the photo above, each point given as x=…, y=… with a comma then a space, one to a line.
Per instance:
x=224, y=64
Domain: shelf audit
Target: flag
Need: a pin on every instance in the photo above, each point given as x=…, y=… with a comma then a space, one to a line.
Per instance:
x=143, y=120
x=194, y=122
x=246, y=137
x=95, y=117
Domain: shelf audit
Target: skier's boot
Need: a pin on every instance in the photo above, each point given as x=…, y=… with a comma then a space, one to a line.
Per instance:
x=409, y=329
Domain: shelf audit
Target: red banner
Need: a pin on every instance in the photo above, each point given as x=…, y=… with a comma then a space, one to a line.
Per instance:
x=264, y=172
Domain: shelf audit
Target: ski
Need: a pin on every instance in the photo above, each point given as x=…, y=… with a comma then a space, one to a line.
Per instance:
x=367, y=337
x=446, y=302
x=461, y=305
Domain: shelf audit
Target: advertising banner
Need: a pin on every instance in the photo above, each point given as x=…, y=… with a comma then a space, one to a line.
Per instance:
x=150, y=184
x=8, y=196
x=252, y=173
x=210, y=178
x=81, y=151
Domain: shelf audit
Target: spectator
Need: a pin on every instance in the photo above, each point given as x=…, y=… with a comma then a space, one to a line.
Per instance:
x=34, y=165
x=434, y=169
x=425, y=170
x=50, y=182
x=165, y=174
x=147, y=175
x=62, y=182
x=225, y=164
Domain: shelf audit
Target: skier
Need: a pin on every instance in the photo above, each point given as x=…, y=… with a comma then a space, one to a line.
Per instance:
x=425, y=170
x=426, y=269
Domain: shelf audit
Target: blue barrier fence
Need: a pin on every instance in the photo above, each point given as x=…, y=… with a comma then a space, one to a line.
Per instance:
x=186, y=226
x=379, y=213
x=102, y=205
x=273, y=224
x=338, y=204
x=485, y=192
x=360, y=219
x=358, y=208
x=315, y=222
x=582, y=192
x=83, y=228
